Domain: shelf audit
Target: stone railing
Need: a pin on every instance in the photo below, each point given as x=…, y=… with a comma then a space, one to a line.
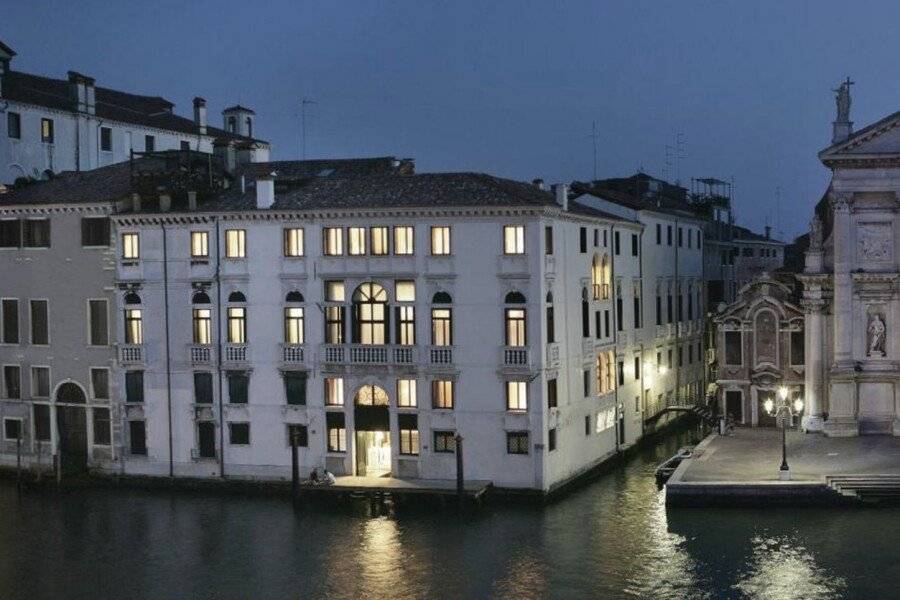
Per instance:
x=440, y=355
x=236, y=353
x=200, y=354
x=514, y=356
x=292, y=353
x=131, y=354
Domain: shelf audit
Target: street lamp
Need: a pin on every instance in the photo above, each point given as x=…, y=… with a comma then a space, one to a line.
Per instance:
x=784, y=411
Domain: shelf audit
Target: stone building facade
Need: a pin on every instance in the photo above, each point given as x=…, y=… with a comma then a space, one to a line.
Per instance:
x=760, y=348
x=851, y=284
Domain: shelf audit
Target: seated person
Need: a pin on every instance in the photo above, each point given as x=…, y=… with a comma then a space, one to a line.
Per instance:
x=328, y=478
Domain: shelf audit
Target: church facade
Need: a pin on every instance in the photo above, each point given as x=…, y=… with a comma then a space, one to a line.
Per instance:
x=851, y=282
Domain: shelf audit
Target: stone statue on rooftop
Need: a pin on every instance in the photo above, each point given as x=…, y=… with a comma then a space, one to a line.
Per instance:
x=815, y=233
x=842, y=99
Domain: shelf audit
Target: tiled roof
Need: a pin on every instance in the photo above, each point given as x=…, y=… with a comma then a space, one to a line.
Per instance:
x=742, y=233
x=297, y=170
x=395, y=191
x=237, y=107
x=149, y=111
x=661, y=204
x=105, y=184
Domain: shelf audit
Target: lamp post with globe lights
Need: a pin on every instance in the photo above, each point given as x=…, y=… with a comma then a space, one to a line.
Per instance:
x=784, y=411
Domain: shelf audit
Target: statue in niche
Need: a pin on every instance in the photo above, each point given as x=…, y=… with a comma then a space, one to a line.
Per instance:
x=876, y=332
x=815, y=233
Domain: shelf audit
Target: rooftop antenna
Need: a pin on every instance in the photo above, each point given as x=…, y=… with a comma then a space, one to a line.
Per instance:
x=304, y=102
x=679, y=154
x=778, y=211
x=667, y=165
x=594, y=135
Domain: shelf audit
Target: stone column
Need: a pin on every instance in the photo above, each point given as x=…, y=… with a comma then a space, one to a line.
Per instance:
x=813, y=335
x=843, y=285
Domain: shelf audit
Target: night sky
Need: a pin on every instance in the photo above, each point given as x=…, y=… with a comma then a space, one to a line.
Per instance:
x=508, y=88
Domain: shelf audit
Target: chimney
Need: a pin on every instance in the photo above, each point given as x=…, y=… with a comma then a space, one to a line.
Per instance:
x=136, y=202
x=768, y=231
x=265, y=191
x=6, y=54
x=200, y=114
x=81, y=91
x=562, y=195
x=165, y=202
x=538, y=183
x=192, y=200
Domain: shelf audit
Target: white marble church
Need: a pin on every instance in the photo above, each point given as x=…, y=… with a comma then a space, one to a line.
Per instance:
x=851, y=282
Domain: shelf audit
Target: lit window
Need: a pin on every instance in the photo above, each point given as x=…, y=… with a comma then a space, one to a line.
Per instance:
x=202, y=326
x=513, y=239
x=334, y=391
x=370, y=311
x=134, y=330
x=440, y=240
x=406, y=393
x=235, y=243
x=334, y=291
x=337, y=432
x=409, y=434
x=293, y=242
x=237, y=325
x=199, y=244
x=441, y=327
x=332, y=241
x=515, y=326
x=516, y=395
x=293, y=325
x=444, y=441
x=131, y=246
x=403, y=240
x=47, y=130
x=406, y=291
x=441, y=393
x=356, y=241
x=406, y=325
x=517, y=442
x=378, y=237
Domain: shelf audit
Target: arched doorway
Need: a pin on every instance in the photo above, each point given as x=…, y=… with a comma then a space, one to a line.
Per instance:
x=71, y=424
x=373, y=432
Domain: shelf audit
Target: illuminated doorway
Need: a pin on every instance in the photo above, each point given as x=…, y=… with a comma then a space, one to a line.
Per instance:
x=373, y=432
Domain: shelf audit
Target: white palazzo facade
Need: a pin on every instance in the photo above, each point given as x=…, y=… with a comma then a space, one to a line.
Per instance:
x=852, y=285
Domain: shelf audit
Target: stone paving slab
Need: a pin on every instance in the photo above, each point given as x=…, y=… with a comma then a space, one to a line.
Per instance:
x=753, y=455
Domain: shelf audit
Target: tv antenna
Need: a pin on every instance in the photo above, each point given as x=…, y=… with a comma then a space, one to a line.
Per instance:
x=594, y=136
x=304, y=102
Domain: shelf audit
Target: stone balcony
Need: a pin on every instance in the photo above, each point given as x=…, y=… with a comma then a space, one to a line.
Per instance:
x=131, y=354
x=515, y=356
x=440, y=355
x=293, y=354
x=236, y=354
x=364, y=354
x=200, y=354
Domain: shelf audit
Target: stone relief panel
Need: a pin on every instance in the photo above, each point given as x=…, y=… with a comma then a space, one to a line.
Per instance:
x=874, y=242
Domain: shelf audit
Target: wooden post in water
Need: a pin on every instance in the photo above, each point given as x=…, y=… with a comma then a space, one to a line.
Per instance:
x=295, y=468
x=460, y=479
x=57, y=467
x=19, y=461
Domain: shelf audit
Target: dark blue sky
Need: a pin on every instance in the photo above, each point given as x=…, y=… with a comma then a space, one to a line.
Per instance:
x=509, y=88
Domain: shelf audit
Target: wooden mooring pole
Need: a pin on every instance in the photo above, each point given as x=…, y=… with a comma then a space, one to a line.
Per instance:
x=19, y=462
x=460, y=479
x=295, y=468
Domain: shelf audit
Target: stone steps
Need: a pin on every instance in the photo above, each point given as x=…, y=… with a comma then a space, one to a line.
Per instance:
x=868, y=488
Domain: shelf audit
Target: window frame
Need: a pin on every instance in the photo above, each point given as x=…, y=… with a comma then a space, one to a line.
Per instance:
x=517, y=442
x=513, y=240
x=12, y=118
x=406, y=240
x=293, y=242
x=231, y=433
x=332, y=241
x=131, y=246
x=235, y=244
x=105, y=139
x=33, y=388
x=443, y=441
x=92, y=389
x=516, y=396
x=47, y=130
x=199, y=238
x=441, y=389
x=90, y=323
x=31, y=321
x=441, y=240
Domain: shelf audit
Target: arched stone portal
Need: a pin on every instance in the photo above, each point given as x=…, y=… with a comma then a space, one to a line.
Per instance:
x=71, y=424
x=373, y=432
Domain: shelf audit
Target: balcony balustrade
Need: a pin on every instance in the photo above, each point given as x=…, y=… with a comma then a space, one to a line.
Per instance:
x=364, y=354
x=440, y=355
x=131, y=354
x=200, y=354
x=292, y=353
x=515, y=356
x=236, y=353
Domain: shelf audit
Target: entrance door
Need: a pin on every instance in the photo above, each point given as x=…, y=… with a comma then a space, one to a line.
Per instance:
x=373, y=432
x=734, y=406
x=71, y=422
x=763, y=419
x=206, y=438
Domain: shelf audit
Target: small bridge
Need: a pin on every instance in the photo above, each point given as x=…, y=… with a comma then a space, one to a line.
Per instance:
x=702, y=411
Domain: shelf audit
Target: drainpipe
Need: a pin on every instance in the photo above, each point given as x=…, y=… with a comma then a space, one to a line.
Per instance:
x=168, y=352
x=678, y=300
x=219, y=351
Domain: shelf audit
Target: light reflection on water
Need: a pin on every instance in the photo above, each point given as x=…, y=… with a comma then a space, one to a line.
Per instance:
x=611, y=539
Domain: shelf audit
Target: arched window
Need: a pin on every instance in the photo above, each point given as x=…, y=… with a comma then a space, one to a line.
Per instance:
x=293, y=319
x=237, y=297
x=515, y=320
x=441, y=320
x=370, y=314
x=371, y=395
x=200, y=297
x=70, y=393
x=515, y=298
x=132, y=298
x=293, y=297
x=585, y=315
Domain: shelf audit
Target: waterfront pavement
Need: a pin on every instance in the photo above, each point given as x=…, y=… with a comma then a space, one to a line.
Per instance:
x=754, y=455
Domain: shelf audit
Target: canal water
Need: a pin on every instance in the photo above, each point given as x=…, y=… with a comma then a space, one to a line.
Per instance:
x=612, y=538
